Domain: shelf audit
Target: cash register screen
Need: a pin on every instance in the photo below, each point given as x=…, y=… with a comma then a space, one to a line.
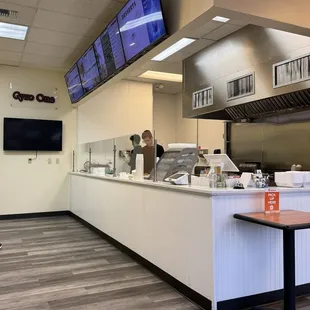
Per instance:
x=164, y=164
x=176, y=176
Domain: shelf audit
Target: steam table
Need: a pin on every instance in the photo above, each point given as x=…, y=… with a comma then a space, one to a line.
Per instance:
x=288, y=221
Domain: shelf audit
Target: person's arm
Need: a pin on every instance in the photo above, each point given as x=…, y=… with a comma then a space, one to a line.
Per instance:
x=132, y=162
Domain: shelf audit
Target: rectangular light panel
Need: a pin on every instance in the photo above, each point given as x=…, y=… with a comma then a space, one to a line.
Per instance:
x=221, y=19
x=173, y=49
x=162, y=76
x=12, y=31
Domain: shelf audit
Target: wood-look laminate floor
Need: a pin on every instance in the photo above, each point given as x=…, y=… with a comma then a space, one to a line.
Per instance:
x=57, y=263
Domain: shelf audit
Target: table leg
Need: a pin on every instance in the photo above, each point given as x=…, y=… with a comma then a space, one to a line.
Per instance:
x=289, y=269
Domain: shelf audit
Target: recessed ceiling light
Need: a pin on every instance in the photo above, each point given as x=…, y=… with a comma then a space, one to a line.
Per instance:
x=221, y=19
x=13, y=31
x=162, y=76
x=173, y=49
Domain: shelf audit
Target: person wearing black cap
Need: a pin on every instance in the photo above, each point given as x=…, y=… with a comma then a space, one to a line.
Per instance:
x=137, y=149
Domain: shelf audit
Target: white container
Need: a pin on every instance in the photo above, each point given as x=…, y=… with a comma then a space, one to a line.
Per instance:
x=306, y=178
x=290, y=179
x=139, y=168
x=99, y=171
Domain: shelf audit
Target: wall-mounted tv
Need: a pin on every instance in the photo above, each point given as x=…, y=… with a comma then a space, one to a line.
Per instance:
x=109, y=51
x=141, y=24
x=74, y=85
x=32, y=135
x=88, y=70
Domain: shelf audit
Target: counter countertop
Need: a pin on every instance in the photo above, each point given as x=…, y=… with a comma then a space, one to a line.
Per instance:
x=191, y=188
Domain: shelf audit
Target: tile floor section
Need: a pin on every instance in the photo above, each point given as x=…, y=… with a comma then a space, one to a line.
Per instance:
x=57, y=263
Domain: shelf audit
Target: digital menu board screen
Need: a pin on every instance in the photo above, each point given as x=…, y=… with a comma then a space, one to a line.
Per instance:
x=109, y=50
x=88, y=69
x=74, y=84
x=141, y=24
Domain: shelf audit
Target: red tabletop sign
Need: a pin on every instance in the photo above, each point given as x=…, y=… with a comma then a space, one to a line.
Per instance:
x=272, y=202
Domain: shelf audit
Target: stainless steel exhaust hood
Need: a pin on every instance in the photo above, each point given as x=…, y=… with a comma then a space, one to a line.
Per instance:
x=252, y=73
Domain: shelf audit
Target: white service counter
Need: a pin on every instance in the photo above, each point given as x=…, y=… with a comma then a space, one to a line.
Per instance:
x=190, y=232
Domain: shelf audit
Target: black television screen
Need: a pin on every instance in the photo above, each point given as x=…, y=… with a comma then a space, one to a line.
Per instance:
x=32, y=135
x=89, y=71
x=141, y=24
x=74, y=84
x=109, y=50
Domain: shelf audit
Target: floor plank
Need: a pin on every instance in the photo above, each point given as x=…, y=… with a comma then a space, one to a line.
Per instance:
x=58, y=264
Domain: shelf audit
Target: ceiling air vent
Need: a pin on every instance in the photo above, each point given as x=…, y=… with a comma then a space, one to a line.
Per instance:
x=241, y=87
x=8, y=14
x=202, y=98
x=291, y=71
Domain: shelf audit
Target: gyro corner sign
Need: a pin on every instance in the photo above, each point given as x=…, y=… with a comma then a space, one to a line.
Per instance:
x=28, y=97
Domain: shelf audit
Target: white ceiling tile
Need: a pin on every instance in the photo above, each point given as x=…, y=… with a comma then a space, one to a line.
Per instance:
x=48, y=50
x=31, y=3
x=83, y=8
x=238, y=22
x=58, y=38
x=9, y=63
x=206, y=28
x=10, y=56
x=222, y=32
x=25, y=14
x=62, y=22
x=11, y=45
x=43, y=67
x=43, y=60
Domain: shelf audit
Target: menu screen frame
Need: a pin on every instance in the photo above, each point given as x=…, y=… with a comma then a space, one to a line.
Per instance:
x=68, y=86
x=97, y=82
x=144, y=31
x=106, y=71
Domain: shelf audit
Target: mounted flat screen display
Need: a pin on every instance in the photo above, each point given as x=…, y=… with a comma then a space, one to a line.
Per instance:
x=74, y=85
x=109, y=51
x=141, y=25
x=88, y=70
x=32, y=135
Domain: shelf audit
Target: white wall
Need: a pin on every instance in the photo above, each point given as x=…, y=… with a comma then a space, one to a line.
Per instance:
x=164, y=116
x=170, y=125
x=210, y=132
x=119, y=110
x=36, y=187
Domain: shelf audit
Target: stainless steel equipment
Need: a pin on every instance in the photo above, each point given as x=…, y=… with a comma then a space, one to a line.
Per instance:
x=246, y=84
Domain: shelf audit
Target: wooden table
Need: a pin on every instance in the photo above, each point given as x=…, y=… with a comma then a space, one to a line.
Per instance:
x=288, y=221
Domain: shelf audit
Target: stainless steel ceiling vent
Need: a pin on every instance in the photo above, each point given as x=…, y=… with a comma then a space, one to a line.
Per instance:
x=286, y=103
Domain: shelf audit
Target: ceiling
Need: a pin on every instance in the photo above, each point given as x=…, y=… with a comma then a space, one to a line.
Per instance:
x=59, y=30
x=206, y=35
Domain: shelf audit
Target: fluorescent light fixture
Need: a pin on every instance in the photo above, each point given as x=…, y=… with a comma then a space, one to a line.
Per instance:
x=221, y=19
x=173, y=49
x=162, y=76
x=12, y=31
